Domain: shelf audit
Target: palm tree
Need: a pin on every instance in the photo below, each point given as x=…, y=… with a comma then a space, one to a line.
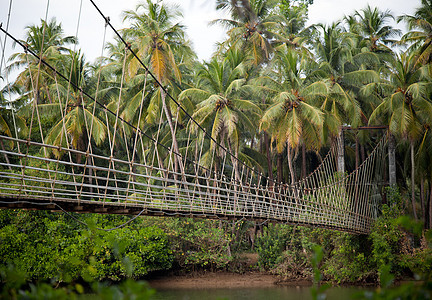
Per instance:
x=424, y=171
x=371, y=25
x=250, y=26
x=292, y=119
x=420, y=31
x=155, y=38
x=72, y=127
x=371, y=36
x=220, y=106
x=290, y=26
x=47, y=41
x=405, y=104
x=11, y=125
x=345, y=68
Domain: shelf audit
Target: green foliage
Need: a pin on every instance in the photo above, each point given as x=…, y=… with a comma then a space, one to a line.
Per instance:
x=407, y=291
x=416, y=259
x=14, y=288
x=348, y=259
x=318, y=289
x=339, y=84
x=47, y=246
x=387, y=237
x=130, y=253
x=286, y=250
x=294, y=264
x=411, y=290
x=317, y=257
x=199, y=243
x=271, y=245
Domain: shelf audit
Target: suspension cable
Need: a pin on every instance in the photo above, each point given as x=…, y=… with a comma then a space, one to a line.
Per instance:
x=106, y=109
x=7, y=28
x=107, y=20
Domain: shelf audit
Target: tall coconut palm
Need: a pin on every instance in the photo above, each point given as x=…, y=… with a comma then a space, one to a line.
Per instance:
x=405, y=104
x=424, y=171
x=47, y=41
x=290, y=26
x=220, y=107
x=250, y=26
x=155, y=37
x=372, y=37
x=72, y=112
x=346, y=71
x=420, y=31
x=292, y=119
x=372, y=26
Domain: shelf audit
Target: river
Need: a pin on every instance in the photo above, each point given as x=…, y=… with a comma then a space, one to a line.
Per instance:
x=268, y=293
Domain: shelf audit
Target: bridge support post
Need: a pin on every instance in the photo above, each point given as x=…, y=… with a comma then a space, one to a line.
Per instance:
x=392, y=159
x=341, y=152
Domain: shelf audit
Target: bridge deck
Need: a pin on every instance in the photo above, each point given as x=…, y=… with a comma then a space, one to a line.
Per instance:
x=133, y=209
x=169, y=167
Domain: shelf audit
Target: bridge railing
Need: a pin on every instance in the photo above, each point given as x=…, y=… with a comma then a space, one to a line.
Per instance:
x=336, y=201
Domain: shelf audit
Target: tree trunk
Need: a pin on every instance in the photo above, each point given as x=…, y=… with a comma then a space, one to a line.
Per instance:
x=38, y=99
x=279, y=167
x=290, y=164
x=82, y=146
x=392, y=160
x=268, y=153
x=48, y=94
x=5, y=155
x=341, y=153
x=422, y=202
x=303, y=160
x=262, y=142
x=234, y=161
x=177, y=158
x=357, y=152
x=412, y=180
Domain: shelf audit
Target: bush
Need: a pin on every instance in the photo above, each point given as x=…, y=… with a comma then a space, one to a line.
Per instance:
x=130, y=253
x=271, y=245
x=201, y=244
x=348, y=260
x=47, y=246
x=387, y=237
x=14, y=287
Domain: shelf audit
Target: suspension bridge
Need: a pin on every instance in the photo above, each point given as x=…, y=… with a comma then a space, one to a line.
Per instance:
x=169, y=171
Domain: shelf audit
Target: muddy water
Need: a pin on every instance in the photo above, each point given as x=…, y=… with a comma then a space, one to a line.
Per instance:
x=268, y=293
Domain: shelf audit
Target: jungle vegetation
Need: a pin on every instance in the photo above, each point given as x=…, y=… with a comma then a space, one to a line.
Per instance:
x=276, y=92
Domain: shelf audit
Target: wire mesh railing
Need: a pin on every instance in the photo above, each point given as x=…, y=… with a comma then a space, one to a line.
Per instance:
x=81, y=147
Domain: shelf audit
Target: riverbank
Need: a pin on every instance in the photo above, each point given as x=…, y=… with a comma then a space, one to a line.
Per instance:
x=221, y=280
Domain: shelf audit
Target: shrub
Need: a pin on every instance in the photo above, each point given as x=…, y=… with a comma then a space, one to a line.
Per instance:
x=348, y=259
x=131, y=253
x=48, y=246
x=199, y=243
x=271, y=245
x=387, y=237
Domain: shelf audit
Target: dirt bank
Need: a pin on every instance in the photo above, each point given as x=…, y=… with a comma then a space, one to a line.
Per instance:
x=219, y=280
